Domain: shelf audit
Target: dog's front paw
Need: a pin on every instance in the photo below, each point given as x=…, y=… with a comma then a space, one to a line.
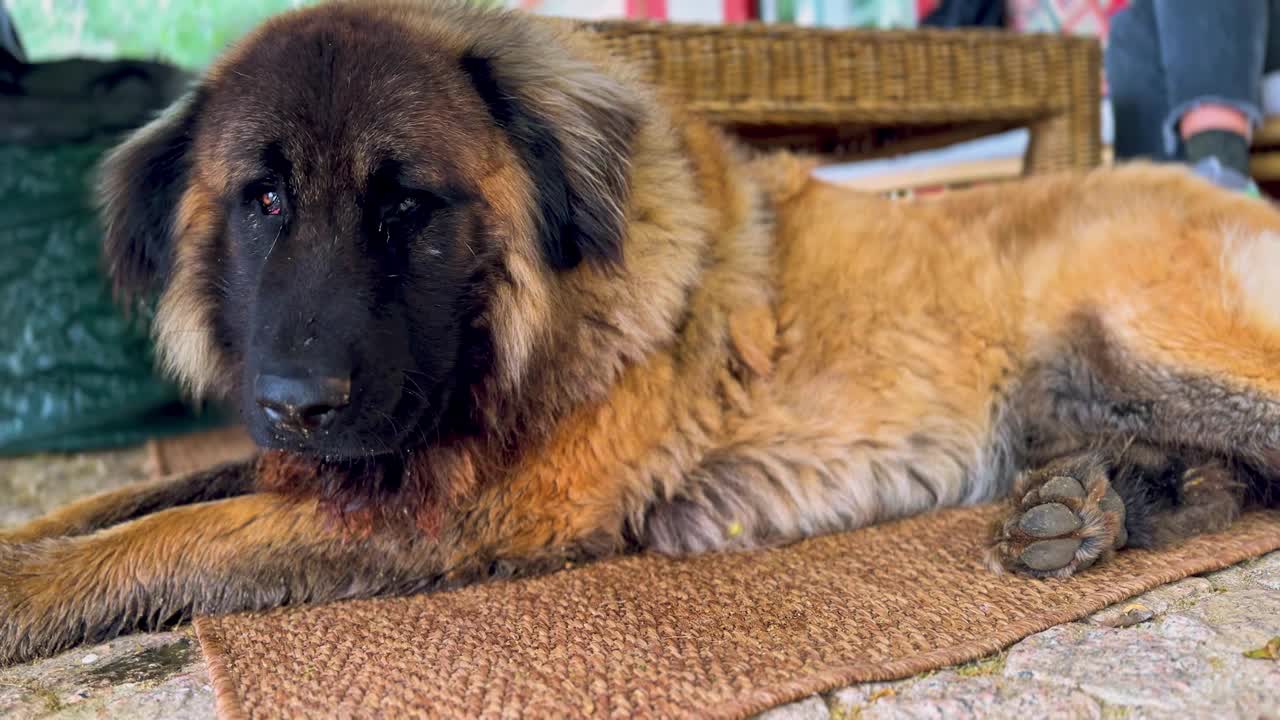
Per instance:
x=1061, y=522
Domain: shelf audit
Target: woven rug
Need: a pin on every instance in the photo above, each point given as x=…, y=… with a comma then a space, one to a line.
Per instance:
x=722, y=636
x=716, y=636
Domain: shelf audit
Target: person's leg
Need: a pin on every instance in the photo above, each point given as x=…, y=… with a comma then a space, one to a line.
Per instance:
x=1271, y=66
x=1272, y=61
x=1213, y=54
x=1136, y=83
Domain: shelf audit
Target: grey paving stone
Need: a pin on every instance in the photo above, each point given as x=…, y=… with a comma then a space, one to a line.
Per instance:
x=33, y=485
x=811, y=708
x=1158, y=601
x=159, y=675
x=846, y=701
x=1186, y=662
x=1264, y=572
x=1180, y=664
x=947, y=696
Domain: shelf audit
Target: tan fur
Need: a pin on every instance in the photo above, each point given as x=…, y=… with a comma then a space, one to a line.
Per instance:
x=774, y=358
x=184, y=316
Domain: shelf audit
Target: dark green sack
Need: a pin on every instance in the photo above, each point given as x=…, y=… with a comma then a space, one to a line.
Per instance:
x=74, y=374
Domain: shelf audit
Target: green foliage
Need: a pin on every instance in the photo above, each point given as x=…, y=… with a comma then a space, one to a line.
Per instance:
x=183, y=32
x=189, y=33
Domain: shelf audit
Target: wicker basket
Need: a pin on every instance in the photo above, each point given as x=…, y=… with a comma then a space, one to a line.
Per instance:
x=863, y=90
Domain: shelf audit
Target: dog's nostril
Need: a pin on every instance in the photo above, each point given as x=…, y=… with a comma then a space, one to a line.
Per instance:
x=301, y=403
x=316, y=416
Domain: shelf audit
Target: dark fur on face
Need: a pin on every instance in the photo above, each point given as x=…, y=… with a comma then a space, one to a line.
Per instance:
x=344, y=201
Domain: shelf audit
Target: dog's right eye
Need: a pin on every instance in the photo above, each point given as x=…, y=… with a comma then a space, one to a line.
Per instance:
x=269, y=202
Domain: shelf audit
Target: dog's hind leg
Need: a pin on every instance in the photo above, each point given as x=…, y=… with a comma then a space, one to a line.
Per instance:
x=1155, y=415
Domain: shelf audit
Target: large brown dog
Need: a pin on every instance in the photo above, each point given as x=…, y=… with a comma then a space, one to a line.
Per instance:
x=492, y=305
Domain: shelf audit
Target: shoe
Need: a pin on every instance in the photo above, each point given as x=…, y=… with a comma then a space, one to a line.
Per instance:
x=1212, y=169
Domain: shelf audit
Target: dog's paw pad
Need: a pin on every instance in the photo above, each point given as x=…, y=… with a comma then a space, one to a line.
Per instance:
x=1059, y=526
x=1061, y=487
x=1049, y=520
x=1045, y=555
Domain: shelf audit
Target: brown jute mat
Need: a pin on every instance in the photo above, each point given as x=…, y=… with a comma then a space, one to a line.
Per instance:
x=716, y=636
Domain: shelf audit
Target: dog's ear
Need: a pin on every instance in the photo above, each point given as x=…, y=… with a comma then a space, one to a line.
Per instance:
x=140, y=186
x=573, y=127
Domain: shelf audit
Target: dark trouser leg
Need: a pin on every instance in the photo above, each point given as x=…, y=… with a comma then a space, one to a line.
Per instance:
x=1211, y=52
x=1135, y=78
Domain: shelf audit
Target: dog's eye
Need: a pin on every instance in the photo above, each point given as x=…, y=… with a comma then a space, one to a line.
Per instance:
x=410, y=208
x=397, y=214
x=269, y=202
x=404, y=207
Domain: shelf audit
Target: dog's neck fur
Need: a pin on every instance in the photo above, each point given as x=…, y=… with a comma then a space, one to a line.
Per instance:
x=718, y=205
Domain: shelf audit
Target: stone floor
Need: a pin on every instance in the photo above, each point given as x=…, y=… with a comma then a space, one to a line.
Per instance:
x=1176, y=652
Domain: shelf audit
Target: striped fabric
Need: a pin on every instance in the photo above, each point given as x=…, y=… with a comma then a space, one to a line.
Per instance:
x=1072, y=17
x=823, y=13
x=689, y=11
x=841, y=13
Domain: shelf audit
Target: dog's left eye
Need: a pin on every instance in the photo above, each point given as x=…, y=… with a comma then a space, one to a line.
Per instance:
x=406, y=206
x=410, y=207
x=398, y=214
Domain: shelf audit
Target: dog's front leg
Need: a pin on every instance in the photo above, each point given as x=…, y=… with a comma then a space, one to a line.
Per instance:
x=112, y=507
x=248, y=552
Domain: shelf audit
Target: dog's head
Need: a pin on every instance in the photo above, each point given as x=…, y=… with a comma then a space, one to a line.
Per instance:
x=359, y=211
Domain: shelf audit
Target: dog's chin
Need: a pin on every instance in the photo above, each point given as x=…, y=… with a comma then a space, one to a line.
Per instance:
x=327, y=452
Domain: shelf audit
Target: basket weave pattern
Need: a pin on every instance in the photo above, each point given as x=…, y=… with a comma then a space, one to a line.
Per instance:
x=787, y=76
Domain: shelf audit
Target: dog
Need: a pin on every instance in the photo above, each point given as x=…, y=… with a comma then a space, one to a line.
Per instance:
x=491, y=304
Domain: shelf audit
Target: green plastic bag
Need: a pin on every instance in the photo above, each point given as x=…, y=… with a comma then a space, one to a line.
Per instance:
x=74, y=373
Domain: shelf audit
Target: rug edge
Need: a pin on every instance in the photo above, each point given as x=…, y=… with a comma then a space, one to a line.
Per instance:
x=862, y=673
x=227, y=704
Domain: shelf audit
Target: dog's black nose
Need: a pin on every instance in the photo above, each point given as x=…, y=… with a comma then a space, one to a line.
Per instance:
x=301, y=404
